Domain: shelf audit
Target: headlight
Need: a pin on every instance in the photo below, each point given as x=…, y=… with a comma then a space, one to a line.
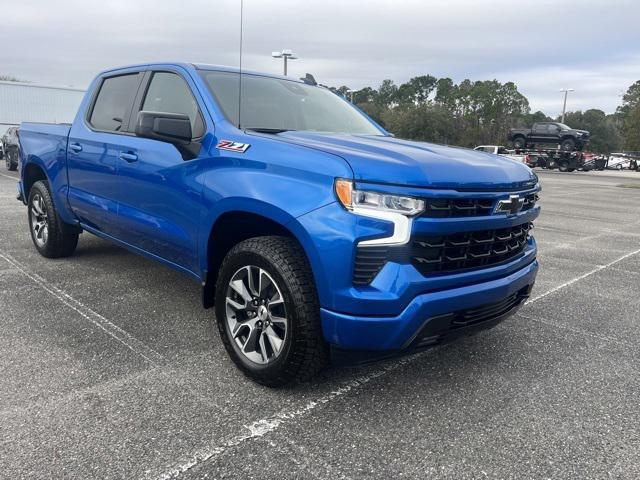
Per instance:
x=362, y=199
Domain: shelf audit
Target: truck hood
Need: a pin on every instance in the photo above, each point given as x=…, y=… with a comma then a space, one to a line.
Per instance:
x=382, y=159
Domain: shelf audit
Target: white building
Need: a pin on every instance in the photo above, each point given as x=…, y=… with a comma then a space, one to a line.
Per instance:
x=30, y=102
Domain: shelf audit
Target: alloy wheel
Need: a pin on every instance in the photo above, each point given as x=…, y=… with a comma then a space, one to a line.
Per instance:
x=39, y=220
x=256, y=314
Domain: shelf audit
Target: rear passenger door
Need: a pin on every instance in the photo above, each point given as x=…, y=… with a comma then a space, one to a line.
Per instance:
x=92, y=151
x=159, y=198
x=539, y=132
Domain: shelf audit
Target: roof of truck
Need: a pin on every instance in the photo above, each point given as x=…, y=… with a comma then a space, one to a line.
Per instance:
x=202, y=66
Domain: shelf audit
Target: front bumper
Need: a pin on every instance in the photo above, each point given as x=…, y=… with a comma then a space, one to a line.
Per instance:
x=424, y=315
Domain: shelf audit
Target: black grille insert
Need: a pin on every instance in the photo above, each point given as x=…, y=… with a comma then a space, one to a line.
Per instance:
x=447, y=253
x=467, y=207
x=369, y=261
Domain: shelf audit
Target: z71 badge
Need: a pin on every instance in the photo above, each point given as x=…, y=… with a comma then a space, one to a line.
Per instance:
x=233, y=146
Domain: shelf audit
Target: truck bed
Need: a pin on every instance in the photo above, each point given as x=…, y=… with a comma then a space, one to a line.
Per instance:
x=45, y=144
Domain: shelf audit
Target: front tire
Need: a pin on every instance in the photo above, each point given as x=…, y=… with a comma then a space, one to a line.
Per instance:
x=51, y=236
x=267, y=311
x=568, y=144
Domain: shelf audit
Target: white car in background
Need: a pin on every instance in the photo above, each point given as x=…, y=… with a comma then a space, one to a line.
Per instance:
x=619, y=161
x=502, y=151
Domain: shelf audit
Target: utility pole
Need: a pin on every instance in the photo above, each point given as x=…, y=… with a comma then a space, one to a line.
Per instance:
x=286, y=55
x=564, y=105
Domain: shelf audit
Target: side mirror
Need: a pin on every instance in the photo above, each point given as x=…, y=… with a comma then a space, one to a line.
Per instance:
x=167, y=127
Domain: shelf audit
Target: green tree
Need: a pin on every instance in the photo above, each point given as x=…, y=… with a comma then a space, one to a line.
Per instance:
x=605, y=136
x=628, y=114
x=631, y=130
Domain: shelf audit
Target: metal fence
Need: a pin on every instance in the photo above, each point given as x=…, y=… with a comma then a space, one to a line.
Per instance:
x=29, y=102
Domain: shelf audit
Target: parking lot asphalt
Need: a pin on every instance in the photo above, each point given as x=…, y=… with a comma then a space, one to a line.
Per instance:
x=108, y=369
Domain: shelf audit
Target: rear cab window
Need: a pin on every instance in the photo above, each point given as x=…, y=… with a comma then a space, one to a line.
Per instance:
x=113, y=102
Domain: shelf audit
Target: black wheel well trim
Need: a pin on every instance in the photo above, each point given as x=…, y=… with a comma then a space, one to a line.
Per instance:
x=243, y=225
x=32, y=174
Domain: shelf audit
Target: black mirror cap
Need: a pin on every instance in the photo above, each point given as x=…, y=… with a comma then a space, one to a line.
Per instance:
x=167, y=127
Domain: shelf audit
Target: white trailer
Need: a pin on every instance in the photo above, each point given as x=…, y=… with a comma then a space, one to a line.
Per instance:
x=31, y=102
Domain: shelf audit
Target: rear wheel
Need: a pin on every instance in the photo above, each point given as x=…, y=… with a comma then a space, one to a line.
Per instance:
x=51, y=236
x=267, y=311
x=519, y=143
x=619, y=166
x=563, y=166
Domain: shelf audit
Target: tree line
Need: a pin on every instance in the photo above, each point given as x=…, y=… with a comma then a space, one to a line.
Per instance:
x=472, y=113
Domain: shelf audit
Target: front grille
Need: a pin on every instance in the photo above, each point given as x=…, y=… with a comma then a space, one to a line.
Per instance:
x=449, y=253
x=467, y=207
x=450, y=325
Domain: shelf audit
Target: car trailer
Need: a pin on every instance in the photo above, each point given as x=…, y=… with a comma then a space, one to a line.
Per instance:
x=555, y=158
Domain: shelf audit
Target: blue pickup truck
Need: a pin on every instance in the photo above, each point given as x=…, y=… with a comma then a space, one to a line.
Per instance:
x=316, y=235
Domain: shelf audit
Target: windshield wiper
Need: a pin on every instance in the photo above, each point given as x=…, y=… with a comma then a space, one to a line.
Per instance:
x=268, y=130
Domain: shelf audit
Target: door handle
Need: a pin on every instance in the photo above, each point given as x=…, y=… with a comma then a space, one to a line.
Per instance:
x=128, y=156
x=76, y=147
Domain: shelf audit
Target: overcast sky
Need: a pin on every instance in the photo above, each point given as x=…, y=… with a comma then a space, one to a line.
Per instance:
x=592, y=46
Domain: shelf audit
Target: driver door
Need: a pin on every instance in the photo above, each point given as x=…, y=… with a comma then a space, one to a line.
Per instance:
x=160, y=199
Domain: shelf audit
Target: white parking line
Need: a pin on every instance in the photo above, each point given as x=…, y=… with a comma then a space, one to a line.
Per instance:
x=268, y=425
x=589, y=273
x=9, y=176
x=98, y=320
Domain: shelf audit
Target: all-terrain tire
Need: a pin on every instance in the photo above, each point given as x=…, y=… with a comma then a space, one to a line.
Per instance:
x=304, y=352
x=61, y=238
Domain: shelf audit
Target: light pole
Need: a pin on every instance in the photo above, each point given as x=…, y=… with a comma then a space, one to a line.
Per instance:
x=287, y=55
x=564, y=105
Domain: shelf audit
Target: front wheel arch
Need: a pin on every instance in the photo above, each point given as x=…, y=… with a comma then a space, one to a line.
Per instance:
x=231, y=228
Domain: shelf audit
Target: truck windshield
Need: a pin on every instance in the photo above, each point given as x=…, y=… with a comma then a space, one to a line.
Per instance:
x=563, y=126
x=274, y=105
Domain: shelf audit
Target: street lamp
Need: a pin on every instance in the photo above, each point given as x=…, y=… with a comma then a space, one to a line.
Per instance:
x=287, y=55
x=564, y=105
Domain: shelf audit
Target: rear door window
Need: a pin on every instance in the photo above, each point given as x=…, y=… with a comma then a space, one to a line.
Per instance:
x=114, y=100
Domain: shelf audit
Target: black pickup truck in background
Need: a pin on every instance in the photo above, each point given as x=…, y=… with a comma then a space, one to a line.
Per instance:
x=549, y=133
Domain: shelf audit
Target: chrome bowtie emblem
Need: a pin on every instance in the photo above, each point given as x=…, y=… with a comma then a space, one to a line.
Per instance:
x=510, y=206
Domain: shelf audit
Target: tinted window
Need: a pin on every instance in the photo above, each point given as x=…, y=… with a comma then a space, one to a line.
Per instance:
x=275, y=103
x=169, y=93
x=113, y=102
x=540, y=128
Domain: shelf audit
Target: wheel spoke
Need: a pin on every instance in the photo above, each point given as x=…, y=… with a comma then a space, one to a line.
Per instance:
x=263, y=347
x=241, y=289
x=235, y=305
x=274, y=339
